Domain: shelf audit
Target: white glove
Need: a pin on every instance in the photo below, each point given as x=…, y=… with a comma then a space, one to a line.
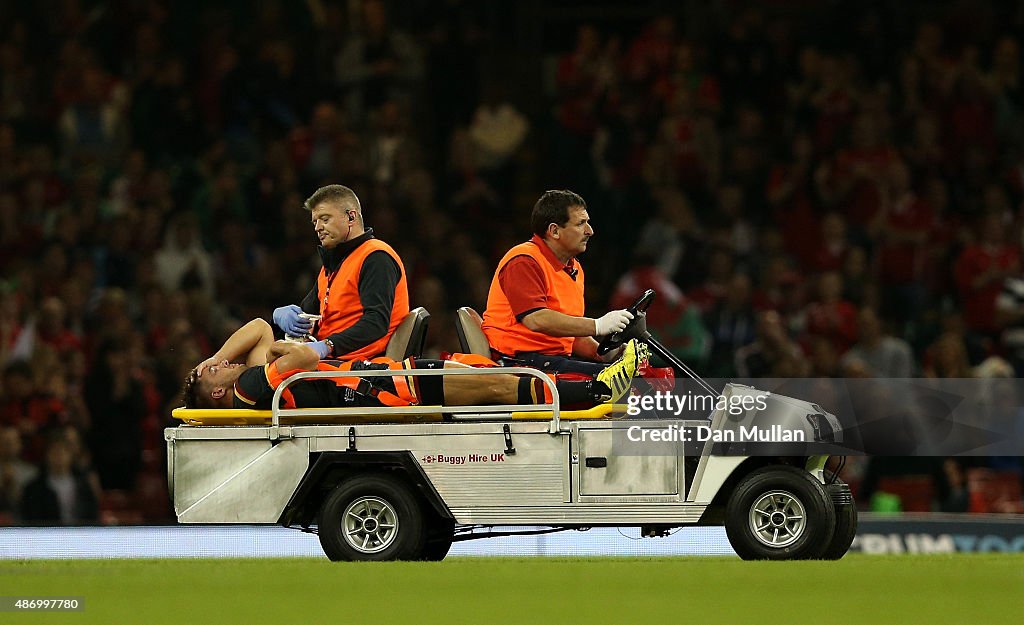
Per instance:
x=612, y=322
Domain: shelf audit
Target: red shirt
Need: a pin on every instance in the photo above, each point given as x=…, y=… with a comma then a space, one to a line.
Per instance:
x=522, y=280
x=903, y=262
x=979, y=303
x=864, y=199
x=796, y=217
x=836, y=322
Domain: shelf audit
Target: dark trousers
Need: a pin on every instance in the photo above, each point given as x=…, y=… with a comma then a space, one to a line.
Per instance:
x=556, y=364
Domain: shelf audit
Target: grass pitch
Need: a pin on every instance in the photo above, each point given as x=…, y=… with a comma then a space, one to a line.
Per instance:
x=933, y=589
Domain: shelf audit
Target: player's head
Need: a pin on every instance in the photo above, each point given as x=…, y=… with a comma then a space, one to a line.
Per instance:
x=213, y=388
x=336, y=214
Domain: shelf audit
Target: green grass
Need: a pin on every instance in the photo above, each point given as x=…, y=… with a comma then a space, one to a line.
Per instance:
x=933, y=589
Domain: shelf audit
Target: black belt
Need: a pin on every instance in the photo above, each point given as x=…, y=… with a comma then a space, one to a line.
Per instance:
x=363, y=387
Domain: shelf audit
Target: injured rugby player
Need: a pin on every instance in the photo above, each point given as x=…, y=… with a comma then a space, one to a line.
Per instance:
x=246, y=371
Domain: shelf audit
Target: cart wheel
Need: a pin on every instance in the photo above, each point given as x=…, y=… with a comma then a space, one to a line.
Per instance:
x=779, y=513
x=371, y=517
x=439, y=540
x=846, y=519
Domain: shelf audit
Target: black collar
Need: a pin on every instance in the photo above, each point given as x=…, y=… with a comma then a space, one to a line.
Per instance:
x=332, y=258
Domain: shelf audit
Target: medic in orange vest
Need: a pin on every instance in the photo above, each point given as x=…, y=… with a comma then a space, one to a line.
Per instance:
x=535, y=304
x=361, y=293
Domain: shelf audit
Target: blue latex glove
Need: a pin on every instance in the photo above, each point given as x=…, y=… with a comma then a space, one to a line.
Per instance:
x=287, y=318
x=321, y=348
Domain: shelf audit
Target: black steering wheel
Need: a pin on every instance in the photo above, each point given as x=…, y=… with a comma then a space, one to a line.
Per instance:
x=637, y=328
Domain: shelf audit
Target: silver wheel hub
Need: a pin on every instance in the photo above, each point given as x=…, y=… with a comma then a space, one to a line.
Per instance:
x=370, y=524
x=777, y=519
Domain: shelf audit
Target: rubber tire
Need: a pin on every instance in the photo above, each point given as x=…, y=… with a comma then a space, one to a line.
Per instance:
x=408, y=544
x=439, y=540
x=821, y=514
x=846, y=529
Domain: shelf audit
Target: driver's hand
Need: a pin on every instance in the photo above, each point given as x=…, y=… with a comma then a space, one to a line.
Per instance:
x=612, y=322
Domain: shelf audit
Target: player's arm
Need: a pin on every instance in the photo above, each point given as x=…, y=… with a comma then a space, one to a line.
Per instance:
x=290, y=356
x=247, y=344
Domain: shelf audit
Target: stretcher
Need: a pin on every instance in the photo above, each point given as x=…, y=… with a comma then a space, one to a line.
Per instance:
x=329, y=416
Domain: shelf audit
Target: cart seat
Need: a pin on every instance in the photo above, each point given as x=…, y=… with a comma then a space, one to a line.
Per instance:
x=469, y=327
x=409, y=336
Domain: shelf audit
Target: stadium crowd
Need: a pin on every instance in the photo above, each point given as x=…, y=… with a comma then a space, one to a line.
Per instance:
x=812, y=195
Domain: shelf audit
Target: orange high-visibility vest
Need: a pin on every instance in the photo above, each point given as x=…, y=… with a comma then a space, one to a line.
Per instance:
x=340, y=307
x=509, y=336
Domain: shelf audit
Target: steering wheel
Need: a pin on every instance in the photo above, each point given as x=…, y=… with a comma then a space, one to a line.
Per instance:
x=636, y=328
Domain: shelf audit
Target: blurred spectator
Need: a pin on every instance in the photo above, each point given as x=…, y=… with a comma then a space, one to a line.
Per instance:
x=833, y=245
x=947, y=358
x=884, y=356
x=830, y=316
x=59, y=496
x=903, y=227
x=824, y=360
x=15, y=473
x=721, y=265
x=956, y=499
x=673, y=320
x=325, y=147
x=15, y=341
x=380, y=63
x=580, y=81
x=860, y=172
x=497, y=131
x=1010, y=319
x=182, y=263
x=51, y=327
x=115, y=398
x=772, y=354
x=672, y=235
x=731, y=325
x=93, y=126
x=392, y=153
x=859, y=287
x=27, y=408
x=791, y=193
x=981, y=270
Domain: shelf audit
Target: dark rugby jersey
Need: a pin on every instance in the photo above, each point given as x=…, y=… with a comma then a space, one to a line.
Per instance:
x=255, y=388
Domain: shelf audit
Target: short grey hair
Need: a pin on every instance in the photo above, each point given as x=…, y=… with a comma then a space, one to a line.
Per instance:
x=334, y=193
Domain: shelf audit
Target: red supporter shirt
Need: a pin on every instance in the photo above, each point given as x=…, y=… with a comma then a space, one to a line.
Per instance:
x=835, y=321
x=979, y=303
x=864, y=200
x=904, y=262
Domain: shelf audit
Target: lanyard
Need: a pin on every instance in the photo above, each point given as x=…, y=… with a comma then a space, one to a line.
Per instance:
x=327, y=291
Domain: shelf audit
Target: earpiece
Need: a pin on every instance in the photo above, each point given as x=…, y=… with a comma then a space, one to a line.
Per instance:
x=351, y=215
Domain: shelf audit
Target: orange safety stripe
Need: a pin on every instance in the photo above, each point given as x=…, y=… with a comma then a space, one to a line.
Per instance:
x=275, y=378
